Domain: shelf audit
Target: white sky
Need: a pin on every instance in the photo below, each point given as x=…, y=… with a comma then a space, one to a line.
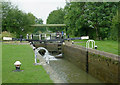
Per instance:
x=39, y=8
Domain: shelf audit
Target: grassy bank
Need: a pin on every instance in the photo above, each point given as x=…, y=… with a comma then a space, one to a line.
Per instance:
x=25, y=54
x=106, y=46
x=0, y=63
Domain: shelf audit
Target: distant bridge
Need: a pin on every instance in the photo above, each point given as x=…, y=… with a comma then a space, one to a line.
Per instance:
x=49, y=25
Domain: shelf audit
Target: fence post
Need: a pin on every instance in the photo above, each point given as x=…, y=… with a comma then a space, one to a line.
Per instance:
x=50, y=36
x=27, y=36
x=87, y=63
x=31, y=36
x=45, y=36
x=41, y=36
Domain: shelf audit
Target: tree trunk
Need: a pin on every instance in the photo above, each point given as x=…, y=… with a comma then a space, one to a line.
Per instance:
x=97, y=33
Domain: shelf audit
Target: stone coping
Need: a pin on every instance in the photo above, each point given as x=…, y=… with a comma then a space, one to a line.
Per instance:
x=109, y=55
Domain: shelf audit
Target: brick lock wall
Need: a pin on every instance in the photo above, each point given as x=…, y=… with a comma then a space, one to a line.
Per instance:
x=101, y=65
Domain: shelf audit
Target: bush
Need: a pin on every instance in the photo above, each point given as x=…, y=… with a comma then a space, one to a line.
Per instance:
x=7, y=34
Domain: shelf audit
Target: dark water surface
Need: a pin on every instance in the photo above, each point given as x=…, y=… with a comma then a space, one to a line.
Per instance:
x=70, y=73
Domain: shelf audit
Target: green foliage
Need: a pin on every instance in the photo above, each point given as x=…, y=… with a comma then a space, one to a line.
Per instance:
x=38, y=30
x=90, y=18
x=114, y=28
x=56, y=17
x=16, y=21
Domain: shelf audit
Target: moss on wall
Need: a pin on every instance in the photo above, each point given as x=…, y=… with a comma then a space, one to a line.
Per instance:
x=102, y=67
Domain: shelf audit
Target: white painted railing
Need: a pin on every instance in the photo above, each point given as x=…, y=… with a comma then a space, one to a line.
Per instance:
x=88, y=44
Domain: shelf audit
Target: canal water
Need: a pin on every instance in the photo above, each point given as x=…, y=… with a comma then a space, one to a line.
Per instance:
x=70, y=73
x=67, y=71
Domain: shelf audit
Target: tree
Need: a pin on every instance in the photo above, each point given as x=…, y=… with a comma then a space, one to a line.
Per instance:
x=39, y=29
x=100, y=17
x=16, y=21
x=90, y=18
x=56, y=17
x=6, y=7
x=114, y=28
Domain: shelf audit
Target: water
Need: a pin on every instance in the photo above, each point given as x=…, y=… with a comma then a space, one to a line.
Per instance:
x=46, y=55
x=71, y=73
x=67, y=71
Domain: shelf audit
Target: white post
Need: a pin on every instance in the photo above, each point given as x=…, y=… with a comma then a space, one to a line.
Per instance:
x=31, y=36
x=27, y=36
x=35, y=56
x=39, y=36
x=45, y=36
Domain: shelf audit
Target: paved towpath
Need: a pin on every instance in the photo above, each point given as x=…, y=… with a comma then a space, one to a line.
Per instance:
x=53, y=75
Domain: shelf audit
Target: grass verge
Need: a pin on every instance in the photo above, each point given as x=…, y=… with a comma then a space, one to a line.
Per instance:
x=24, y=53
x=106, y=46
x=0, y=63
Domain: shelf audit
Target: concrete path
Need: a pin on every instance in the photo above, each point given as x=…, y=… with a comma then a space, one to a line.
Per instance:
x=53, y=75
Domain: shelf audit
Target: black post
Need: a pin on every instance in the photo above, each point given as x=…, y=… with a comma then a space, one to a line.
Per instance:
x=32, y=36
x=41, y=36
x=28, y=36
x=68, y=37
x=21, y=38
x=87, y=64
x=50, y=36
x=17, y=68
x=62, y=34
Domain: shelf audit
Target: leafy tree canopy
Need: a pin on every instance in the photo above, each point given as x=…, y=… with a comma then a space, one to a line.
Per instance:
x=56, y=17
x=16, y=21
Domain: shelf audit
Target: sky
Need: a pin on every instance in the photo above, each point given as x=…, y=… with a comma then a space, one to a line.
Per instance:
x=39, y=8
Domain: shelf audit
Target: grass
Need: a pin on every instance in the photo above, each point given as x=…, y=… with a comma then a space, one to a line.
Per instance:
x=24, y=53
x=0, y=37
x=0, y=63
x=106, y=46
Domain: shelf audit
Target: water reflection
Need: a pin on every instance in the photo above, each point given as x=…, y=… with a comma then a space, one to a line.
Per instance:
x=70, y=73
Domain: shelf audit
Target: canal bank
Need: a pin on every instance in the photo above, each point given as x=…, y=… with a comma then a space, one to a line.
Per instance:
x=101, y=65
